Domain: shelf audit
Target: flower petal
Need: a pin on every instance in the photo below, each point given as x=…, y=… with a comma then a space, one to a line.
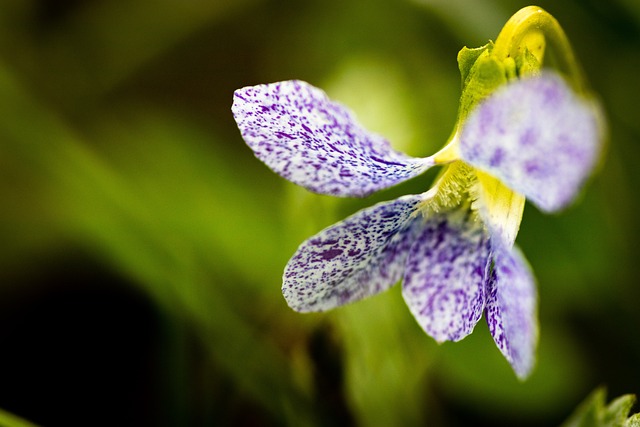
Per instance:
x=500, y=208
x=306, y=138
x=511, y=308
x=355, y=258
x=536, y=136
x=444, y=282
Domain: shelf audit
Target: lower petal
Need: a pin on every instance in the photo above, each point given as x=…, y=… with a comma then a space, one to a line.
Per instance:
x=512, y=308
x=444, y=283
x=355, y=258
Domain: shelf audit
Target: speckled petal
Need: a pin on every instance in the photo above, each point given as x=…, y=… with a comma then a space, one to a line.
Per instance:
x=537, y=136
x=300, y=134
x=355, y=258
x=512, y=308
x=444, y=282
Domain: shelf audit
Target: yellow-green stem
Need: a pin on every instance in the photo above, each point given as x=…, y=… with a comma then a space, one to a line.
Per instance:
x=533, y=28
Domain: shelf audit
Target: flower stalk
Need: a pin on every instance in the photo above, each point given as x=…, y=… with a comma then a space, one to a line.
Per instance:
x=534, y=30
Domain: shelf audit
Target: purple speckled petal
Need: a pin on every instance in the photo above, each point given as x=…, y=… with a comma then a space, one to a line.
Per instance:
x=536, y=136
x=355, y=258
x=512, y=308
x=302, y=135
x=444, y=282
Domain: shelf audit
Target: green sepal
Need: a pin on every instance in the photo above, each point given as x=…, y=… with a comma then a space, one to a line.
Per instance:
x=527, y=63
x=593, y=412
x=467, y=57
x=482, y=73
x=484, y=77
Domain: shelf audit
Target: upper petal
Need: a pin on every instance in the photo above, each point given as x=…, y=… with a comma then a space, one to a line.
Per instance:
x=305, y=137
x=444, y=282
x=512, y=308
x=537, y=136
x=360, y=256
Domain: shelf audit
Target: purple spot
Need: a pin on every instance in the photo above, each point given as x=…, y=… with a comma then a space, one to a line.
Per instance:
x=283, y=135
x=354, y=252
x=386, y=162
x=320, y=242
x=497, y=157
x=551, y=94
x=532, y=167
x=529, y=137
x=330, y=254
x=486, y=120
x=333, y=148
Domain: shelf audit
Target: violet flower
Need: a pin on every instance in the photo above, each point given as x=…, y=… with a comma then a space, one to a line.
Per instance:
x=453, y=247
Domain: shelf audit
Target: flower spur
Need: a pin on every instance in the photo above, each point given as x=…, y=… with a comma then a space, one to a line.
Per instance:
x=521, y=132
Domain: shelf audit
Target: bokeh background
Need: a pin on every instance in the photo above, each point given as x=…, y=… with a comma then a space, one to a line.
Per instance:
x=142, y=244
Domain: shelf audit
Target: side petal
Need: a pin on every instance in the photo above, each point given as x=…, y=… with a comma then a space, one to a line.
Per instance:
x=512, y=308
x=444, y=282
x=355, y=258
x=537, y=136
x=302, y=135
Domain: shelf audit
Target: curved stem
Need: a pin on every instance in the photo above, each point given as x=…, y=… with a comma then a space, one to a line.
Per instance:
x=532, y=27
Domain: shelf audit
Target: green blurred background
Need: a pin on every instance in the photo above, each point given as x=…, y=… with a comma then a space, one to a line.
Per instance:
x=142, y=244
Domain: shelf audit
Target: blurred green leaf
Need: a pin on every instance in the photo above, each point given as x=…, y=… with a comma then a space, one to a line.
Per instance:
x=387, y=357
x=475, y=25
x=122, y=214
x=389, y=113
x=475, y=369
x=10, y=420
x=594, y=412
x=103, y=43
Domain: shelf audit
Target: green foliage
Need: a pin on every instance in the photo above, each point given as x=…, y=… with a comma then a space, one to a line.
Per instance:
x=386, y=362
x=594, y=412
x=484, y=76
x=10, y=420
x=466, y=59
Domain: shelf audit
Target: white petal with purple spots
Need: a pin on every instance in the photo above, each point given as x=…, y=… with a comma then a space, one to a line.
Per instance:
x=512, y=308
x=536, y=136
x=444, y=282
x=302, y=135
x=355, y=258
